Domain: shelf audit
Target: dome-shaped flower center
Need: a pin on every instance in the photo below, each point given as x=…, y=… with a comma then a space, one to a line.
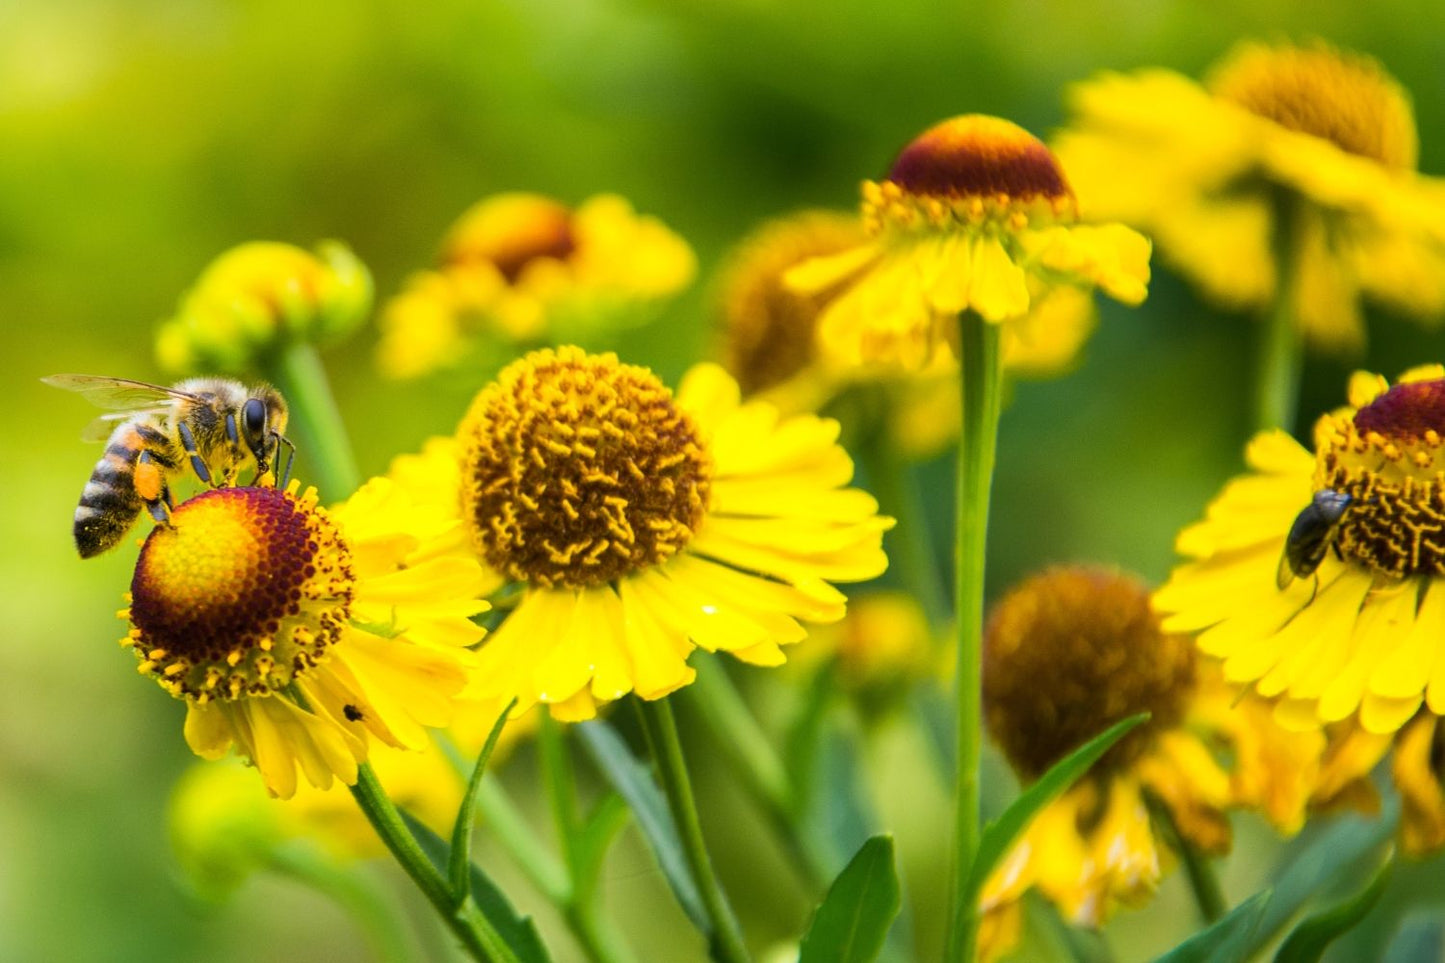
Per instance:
x=509, y=232
x=968, y=170
x=242, y=592
x=1388, y=457
x=769, y=327
x=578, y=470
x=1345, y=99
x=1072, y=651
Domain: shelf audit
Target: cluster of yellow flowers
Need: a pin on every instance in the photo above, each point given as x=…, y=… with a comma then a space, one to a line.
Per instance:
x=584, y=528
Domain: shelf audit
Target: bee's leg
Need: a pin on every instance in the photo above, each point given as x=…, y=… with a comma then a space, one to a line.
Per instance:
x=1338, y=554
x=188, y=442
x=150, y=485
x=1314, y=588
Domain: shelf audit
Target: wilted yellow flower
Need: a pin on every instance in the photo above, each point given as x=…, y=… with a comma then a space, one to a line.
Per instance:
x=975, y=215
x=657, y=523
x=299, y=635
x=1302, y=148
x=1359, y=631
x=770, y=340
x=258, y=297
x=522, y=269
x=1070, y=652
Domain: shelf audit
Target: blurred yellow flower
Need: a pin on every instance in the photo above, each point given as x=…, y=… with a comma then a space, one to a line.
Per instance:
x=880, y=648
x=657, y=523
x=1305, y=148
x=975, y=214
x=299, y=635
x=1068, y=653
x=521, y=269
x=1415, y=751
x=769, y=338
x=1361, y=633
x=258, y=297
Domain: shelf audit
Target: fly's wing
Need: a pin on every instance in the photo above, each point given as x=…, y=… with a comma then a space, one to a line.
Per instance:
x=118, y=394
x=1285, y=573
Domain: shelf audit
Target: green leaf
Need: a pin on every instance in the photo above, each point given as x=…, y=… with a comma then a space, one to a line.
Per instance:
x=1310, y=939
x=999, y=835
x=852, y=922
x=517, y=931
x=1419, y=938
x=1230, y=940
x=594, y=838
x=634, y=783
x=1325, y=853
x=461, y=854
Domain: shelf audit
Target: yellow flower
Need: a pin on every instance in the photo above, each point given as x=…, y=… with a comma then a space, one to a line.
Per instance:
x=300, y=635
x=975, y=214
x=1416, y=751
x=768, y=329
x=770, y=344
x=640, y=525
x=1068, y=653
x=522, y=268
x=225, y=826
x=1308, y=146
x=1360, y=634
x=880, y=649
x=258, y=297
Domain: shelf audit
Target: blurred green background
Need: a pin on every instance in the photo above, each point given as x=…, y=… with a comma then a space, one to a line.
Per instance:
x=141, y=138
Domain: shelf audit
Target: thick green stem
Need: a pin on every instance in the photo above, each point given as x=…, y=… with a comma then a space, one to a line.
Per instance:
x=378, y=919
x=321, y=438
x=466, y=921
x=726, y=939
x=976, y=450
x=1281, y=344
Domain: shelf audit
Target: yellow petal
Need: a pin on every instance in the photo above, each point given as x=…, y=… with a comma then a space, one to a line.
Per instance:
x=999, y=288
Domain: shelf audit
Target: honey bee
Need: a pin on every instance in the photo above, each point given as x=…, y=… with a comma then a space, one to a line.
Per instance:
x=1312, y=535
x=216, y=425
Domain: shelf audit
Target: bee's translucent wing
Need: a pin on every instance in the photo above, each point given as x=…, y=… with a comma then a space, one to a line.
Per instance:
x=100, y=428
x=119, y=394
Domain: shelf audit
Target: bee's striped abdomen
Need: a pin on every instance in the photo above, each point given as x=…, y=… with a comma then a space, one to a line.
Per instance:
x=109, y=502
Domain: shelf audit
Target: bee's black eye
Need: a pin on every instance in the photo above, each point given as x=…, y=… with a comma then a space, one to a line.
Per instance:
x=254, y=417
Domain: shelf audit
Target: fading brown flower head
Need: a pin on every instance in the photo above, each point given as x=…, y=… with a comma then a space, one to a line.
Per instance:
x=1070, y=652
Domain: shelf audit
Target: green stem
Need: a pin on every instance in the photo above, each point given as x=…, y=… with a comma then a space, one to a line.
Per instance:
x=896, y=486
x=321, y=438
x=598, y=938
x=750, y=755
x=594, y=933
x=465, y=920
x=1282, y=344
x=1203, y=883
x=1083, y=946
x=515, y=836
x=976, y=451
x=561, y=794
x=726, y=939
x=376, y=916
